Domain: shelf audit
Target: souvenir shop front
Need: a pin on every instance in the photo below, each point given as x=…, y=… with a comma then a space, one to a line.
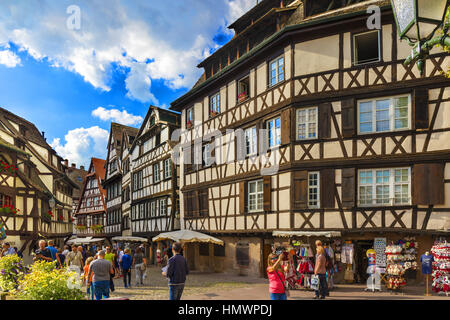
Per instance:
x=379, y=260
x=301, y=250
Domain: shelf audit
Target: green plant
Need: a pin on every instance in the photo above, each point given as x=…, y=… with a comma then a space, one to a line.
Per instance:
x=97, y=228
x=46, y=282
x=12, y=270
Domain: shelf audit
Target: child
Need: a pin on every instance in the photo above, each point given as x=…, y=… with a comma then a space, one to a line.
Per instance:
x=89, y=290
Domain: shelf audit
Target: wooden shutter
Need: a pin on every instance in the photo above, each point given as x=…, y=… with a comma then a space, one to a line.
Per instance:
x=286, y=126
x=204, y=210
x=348, y=187
x=327, y=186
x=348, y=115
x=243, y=197
x=325, y=120
x=428, y=184
x=300, y=190
x=195, y=203
x=267, y=195
x=187, y=204
x=421, y=108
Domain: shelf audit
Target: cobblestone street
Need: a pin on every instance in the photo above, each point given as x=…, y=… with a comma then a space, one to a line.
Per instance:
x=215, y=286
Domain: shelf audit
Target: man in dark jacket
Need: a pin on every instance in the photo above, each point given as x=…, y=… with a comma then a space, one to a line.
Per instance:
x=176, y=271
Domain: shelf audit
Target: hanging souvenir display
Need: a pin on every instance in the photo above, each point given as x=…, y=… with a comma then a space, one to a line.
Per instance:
x=305, y=266
x=441, y=267
x=347, y=259
x=400, y=258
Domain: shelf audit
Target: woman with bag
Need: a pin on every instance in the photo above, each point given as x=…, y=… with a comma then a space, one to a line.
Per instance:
x=140, y=264
x=320, y=272
x=277, y=279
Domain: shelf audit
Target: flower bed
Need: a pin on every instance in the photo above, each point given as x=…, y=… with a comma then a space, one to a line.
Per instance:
x=12, y=270
x=46, y=282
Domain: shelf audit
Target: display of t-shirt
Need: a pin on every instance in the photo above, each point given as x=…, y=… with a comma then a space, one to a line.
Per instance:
x=427, y=262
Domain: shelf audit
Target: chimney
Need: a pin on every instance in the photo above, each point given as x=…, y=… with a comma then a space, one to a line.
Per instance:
x=66, y=163
x=81, y=167
x=74, y=165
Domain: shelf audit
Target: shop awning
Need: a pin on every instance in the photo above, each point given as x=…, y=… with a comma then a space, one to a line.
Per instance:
x=187, y=236
x=288, y=234
x=85, y=240
x=129, y=239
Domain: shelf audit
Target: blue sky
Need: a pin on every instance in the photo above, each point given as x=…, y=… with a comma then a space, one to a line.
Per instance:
x=71, y=83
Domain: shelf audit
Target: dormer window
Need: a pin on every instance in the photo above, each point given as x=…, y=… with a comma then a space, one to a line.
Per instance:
x=366, y=48
x=214, y=105
x=243, y=89
x=276, y=71
x=152, y=121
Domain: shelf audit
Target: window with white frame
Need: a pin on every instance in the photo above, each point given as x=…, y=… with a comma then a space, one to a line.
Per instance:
x=167, y=169
x=214, y=104
x=153, y=208
x=384, y=114
x=276, y=71
x=251, y=141
x=307, y=123
x=207, y=160
x=384, y=187
x=156, y=174
x=274, y=132
x=190, y=117
x=163, y=207
x=313, y=190
x=255, y=196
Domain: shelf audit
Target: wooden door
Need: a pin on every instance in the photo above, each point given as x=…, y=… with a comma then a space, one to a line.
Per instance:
x=266, y=251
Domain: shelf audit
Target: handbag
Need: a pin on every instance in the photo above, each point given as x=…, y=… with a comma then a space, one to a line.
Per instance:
x=143, y=267
x=315, y=282
x=286, y=290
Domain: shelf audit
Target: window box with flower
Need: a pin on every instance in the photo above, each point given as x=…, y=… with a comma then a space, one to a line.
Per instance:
x=9, y=209
x=97, y=228
x=48, y=216
x=81, y=227
x=242, y=96
x=4, y=167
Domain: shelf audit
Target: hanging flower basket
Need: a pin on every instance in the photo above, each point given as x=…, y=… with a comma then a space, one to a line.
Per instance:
x=97, y=228
x=4, y=167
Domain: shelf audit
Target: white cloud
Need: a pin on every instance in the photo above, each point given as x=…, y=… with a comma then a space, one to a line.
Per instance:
x=81, y=144
x=115, y=115
x=9, y=59
x=154, y=40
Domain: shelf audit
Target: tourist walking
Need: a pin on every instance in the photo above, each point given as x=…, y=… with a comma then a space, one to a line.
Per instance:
x=74, y=260
x=53, y=250
x=176, y=271
x=66, y=250
x=125, y=264
x=277, y=279
x=111, y=257
x=140, y=264
x=320, y=271
x=7, y=250
x=60, y=258
x=88, y=279
x=101, y=271
x=43, y=253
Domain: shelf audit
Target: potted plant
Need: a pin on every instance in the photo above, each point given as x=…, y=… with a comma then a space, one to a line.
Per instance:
x=9, y=209
x=9, y=168
x=60, y=218
x=48, y=216
x=189, y=124
x=214, y=113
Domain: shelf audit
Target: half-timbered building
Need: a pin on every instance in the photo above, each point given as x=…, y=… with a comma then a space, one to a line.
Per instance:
x=128, y=137
x=113, y=178
x=91, y=211
x=353, y=140
x=35, y=191
x=154, y=191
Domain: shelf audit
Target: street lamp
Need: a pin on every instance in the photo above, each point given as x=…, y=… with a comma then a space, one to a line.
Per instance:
x=417, y=22
x=52, y=202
